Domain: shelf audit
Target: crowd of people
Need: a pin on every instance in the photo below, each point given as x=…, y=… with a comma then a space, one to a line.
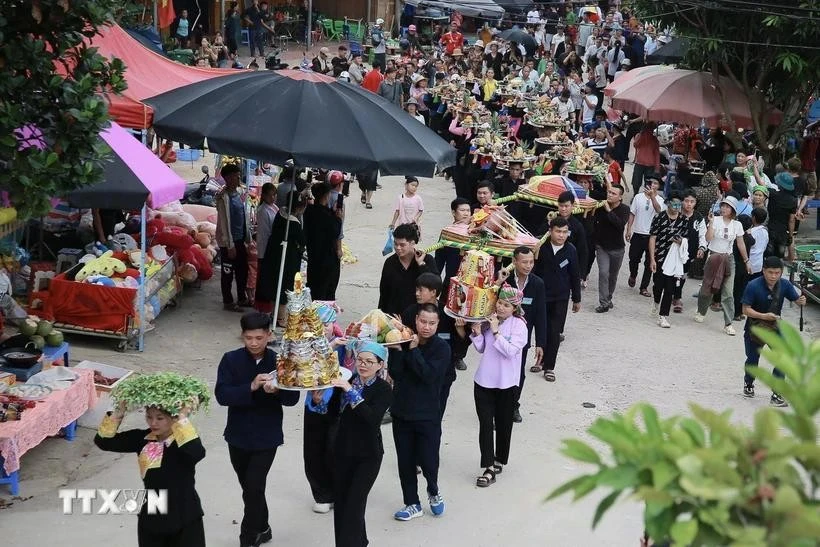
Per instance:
x=710, y=211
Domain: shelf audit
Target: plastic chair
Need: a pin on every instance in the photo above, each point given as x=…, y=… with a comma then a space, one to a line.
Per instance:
x=355, y=47
x=338, y=29
x=330, y=33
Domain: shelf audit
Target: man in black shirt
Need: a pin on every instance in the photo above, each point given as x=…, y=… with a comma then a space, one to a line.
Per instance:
x=322, y=229
x=558, y=268
x=397, y=287
x=417, y=372
x=256, y=16
x=484, y=194
x=782, y=215
x=578, y=235
x=341, y=62
x=608, y=233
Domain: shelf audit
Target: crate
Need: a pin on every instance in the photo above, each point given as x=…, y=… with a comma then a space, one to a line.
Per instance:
x=93, y=416
x=106, y=370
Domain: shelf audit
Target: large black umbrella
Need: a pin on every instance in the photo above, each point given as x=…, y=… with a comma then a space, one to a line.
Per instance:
x=669, y=54
x=312, y=119
x=522, y=37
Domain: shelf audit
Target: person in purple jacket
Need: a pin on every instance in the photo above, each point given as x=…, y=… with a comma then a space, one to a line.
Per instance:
x=500, y=341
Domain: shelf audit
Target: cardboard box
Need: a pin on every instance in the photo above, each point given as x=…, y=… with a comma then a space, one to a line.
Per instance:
x=108, y=371
x=93, y=416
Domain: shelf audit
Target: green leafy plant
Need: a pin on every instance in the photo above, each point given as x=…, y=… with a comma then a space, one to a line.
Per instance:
x=707, y=481
x=167, y=391
x=52, y=83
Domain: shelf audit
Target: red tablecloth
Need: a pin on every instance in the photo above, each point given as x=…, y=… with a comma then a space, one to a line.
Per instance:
x=46, y=419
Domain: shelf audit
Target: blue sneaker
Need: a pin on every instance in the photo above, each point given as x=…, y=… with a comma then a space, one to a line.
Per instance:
x=436, y=504
x=409, y=513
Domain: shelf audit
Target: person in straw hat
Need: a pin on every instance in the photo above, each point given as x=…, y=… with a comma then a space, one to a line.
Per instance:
x=322, y=62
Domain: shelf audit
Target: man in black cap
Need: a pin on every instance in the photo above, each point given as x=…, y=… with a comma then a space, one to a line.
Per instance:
x=645, y=205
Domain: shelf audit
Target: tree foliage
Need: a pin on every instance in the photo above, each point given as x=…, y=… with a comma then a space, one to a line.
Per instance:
x=706, y=481
x=771, y=50
x=50, y=84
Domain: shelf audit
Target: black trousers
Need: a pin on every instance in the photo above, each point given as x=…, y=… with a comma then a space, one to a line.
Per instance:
x=317, y=452
x=638, y=247
x=323, y=278
x=556, y=317
x=417, y=443
x=638, y=174
x=741, y=280
x=494, y=407
x=445, y=394
x=354, y=479
x=251, y=467
x=520, y=387
x=663, y=291
x=191, y=535
x=237, y=267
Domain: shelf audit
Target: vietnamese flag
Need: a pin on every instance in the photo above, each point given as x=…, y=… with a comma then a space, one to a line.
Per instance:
x=165, y=13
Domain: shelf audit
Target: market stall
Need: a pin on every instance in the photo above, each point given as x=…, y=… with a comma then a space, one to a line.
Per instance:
x=40, y=416
x=107, y=295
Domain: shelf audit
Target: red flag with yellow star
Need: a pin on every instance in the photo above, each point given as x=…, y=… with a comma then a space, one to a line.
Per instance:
x=165, y=13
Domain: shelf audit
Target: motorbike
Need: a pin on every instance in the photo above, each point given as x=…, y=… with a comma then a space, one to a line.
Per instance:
x=202, y=192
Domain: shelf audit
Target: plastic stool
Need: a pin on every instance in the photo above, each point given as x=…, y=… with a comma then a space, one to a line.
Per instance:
x=283, y=42
x=246, y=37
x=68, y=257
x=13, y=480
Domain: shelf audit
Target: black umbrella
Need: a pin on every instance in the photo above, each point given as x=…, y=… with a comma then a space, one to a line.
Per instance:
x=669, y=54
x=312, y=119
x=522, y=37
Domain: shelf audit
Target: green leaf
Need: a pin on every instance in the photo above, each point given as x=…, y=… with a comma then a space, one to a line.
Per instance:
x=663, y=472
x=694, y=430
x=708, y=489
x=619, y=477
x=567, y=486
x=690, y=465
x=604, y=506
x=785, y=500
x=580, y=451
x=684, y=532
x=650, y=419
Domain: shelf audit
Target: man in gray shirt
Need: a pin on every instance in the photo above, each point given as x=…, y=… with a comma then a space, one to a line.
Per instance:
x=390, y=89
x=356, y=70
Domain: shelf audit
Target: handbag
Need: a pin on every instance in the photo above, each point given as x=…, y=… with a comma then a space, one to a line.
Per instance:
x=766, y=323
x=388, y=245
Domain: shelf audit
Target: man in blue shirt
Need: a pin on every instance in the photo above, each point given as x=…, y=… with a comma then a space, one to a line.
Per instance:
x=762, y=301
x=254, y=428
x=233, y=234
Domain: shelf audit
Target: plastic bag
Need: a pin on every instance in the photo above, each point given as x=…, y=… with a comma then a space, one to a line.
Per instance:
x=388, y=245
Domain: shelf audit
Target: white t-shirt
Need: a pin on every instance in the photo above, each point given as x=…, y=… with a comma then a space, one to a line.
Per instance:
x=533, y=17
x=761, y=235
x=725, y=235
x=644, y=213
x=565, y=109
x=589, y=112
x=408, y=208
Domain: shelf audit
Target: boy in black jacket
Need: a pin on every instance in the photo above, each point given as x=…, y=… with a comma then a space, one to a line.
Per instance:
x=254, y=428
x=560, y=271
x=417, y=372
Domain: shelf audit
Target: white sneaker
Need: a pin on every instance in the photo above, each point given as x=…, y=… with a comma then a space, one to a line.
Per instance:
x=654, y=308
x=663, y=322
x=730, y=330
x=699, y=318
x=322, y=508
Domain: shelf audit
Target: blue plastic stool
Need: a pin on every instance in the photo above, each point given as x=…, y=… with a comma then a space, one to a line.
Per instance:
x=12, y=480
x=246, y=37
x=52, y=353
x=70, y=431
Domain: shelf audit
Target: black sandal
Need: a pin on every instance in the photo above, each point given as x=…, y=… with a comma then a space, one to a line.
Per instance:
x=486, y=478
x=498, y=468
x=549, y=376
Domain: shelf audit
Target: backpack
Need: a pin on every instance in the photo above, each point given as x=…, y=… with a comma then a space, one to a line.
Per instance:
x=376, y=37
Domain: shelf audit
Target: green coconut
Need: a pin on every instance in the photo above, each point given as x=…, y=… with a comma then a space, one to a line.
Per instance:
x=54, y=338
x=28, y=327
x=38, y=341
x=44, y=328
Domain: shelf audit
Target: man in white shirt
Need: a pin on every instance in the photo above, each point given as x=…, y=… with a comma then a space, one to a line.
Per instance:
x=643, y=209
x=563, y=105
x=590, y=103
x=557, y=38
x=529, y=77
x=533, y=17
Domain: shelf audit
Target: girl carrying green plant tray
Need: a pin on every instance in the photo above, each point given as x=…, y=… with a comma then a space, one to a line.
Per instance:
x=168, y=452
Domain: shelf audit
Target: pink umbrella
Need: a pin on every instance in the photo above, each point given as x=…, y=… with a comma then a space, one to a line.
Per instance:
x=687, y=96
x=631, y=76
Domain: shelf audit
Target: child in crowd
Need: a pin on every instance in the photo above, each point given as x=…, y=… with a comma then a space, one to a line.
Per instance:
x=409, y=205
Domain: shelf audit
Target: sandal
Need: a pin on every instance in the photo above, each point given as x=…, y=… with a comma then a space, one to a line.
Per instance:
x=368, y=205
x=498, y=468
x=645, y=292
x=549, y=376
x=486, y=478
x=536, y=368
x=363, y=199
x=232, y=307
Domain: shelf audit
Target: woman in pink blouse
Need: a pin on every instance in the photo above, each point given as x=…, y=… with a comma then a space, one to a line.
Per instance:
x=499, y=340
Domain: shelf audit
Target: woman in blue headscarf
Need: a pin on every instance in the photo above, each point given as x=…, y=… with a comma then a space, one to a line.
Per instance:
x=360, y=405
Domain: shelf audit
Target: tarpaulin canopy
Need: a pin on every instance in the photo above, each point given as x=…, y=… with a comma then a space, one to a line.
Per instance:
x=147, y=72
x=133, y=174
x=470, y=8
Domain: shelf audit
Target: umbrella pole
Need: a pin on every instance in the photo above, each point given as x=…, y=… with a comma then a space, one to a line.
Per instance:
x=141, y=314
x=309, y=37
x=284, y=253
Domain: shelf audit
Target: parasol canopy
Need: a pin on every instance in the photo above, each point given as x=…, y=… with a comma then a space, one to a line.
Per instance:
x=133, y=174
x=631, y=77
x=519, y=36
x=670, y=53
x=687, y=96
x=310, y=118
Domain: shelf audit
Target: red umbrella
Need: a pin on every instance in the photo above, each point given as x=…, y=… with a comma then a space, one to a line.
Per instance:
x=687, y=96
x=631, y=76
